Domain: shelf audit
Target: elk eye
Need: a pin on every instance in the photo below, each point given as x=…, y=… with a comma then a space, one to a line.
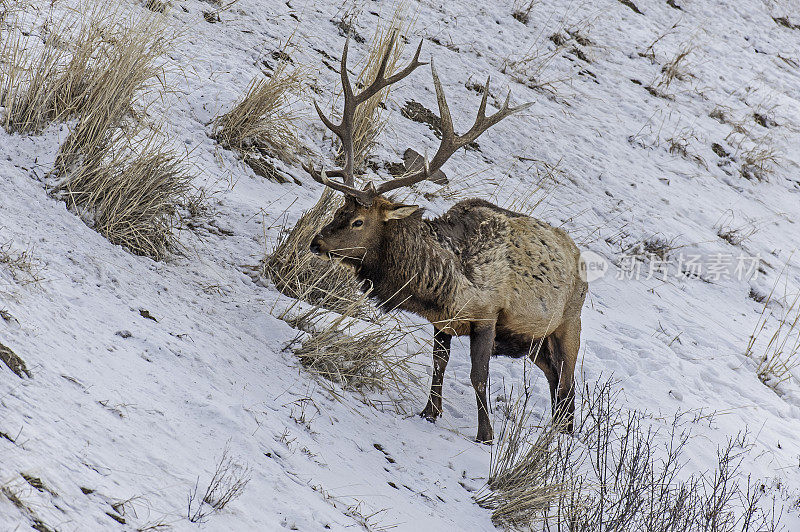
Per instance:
x=358, y=223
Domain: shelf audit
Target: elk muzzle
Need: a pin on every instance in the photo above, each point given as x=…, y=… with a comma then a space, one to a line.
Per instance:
x=318, y=247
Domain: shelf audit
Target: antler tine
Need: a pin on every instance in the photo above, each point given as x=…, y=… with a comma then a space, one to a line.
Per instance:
x=380, y=82
x=325, y=120
x=446, y=121
x=346, y=86
x=364, y=197
x=482, y=108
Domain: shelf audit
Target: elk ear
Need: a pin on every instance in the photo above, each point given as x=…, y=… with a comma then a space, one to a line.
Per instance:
x=399, y=211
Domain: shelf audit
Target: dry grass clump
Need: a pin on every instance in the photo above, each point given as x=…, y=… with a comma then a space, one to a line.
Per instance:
x=356, y=355
x=369, y=119
x=43, y=78
x=781, y=354
x=121, y=178
x=130, y=65
x=264, y=123
x=759, y=162
x=345, y=339
x=522, y=10
x=66, y=72
x=676, y=68
x=131, y=193
x=521, y=482
x=298, y=273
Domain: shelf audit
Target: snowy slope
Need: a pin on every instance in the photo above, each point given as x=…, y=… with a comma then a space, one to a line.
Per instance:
x=137, y=418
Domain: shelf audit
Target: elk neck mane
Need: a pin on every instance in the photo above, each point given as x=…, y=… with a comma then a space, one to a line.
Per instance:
x=413, y=268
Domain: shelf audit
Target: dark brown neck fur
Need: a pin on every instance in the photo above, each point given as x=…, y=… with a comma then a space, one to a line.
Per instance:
x=411, y=269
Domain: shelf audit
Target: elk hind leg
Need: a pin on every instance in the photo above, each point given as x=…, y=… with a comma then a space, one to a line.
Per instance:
x=564, y=345
x=541, y=356
x=481, y=342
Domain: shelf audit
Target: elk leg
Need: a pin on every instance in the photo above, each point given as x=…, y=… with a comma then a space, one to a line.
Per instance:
x=441, y=354
x=543, y=358
x=565, y=345
x=481, y=341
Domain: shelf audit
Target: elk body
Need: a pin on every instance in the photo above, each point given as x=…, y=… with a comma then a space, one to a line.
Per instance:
x=510, y=282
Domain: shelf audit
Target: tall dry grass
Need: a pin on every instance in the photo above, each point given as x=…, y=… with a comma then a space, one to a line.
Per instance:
x=131, y=65
x=264, y=123
x=97, y=65
x=775, y=341
x=70, y=66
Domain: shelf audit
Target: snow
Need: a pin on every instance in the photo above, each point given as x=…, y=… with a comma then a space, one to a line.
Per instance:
x=140, y=418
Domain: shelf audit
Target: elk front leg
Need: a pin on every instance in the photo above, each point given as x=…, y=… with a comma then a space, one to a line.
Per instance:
x=441, y=354
x=481, y=341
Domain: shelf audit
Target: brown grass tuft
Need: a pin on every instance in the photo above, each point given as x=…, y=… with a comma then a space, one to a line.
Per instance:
x=264, y=123
x=131, y=193
x=362, y=356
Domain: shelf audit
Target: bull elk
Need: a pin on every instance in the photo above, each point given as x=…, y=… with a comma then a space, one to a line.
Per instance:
x=509, y=281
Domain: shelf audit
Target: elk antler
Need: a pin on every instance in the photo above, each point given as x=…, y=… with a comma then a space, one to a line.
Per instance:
x=344, y=130
x=450, y=141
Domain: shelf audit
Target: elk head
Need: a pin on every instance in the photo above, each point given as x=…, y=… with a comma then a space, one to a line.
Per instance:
x=359, y=224
x=356, y=229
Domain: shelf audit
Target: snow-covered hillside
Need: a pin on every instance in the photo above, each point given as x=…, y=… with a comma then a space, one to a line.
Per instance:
x=145, y=373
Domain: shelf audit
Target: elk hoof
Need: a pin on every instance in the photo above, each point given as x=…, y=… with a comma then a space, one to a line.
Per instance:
x=485, y=437
x=429, y=413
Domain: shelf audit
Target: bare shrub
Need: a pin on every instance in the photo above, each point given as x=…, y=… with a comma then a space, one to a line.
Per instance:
x=263, y=123
x=781, y=354
x=131, y=193
x=298, y=273
x=622, y=471
x=226, y=485
x=24, y=267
